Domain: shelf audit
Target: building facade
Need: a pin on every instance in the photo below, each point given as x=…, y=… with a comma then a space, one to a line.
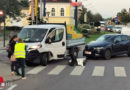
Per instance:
x=60, y=11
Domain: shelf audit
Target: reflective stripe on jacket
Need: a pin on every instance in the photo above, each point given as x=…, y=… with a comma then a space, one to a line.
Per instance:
x=19, y=51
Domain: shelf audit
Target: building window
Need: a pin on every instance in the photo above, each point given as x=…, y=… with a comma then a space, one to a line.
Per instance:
x=53, y=12
x=62, y=11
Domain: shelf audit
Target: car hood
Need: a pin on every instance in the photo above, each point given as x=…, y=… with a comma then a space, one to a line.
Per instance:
x=98, y=44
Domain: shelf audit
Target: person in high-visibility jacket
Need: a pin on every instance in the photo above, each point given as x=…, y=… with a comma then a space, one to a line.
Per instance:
x=20, y=55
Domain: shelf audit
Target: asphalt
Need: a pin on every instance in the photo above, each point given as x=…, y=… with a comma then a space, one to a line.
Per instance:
x=85, y=81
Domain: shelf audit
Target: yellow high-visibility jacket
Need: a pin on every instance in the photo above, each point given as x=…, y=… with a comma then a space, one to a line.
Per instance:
x=19, y=50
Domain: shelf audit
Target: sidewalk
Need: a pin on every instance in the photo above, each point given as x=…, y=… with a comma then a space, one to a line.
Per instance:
x=1, y=45
x=5, y=71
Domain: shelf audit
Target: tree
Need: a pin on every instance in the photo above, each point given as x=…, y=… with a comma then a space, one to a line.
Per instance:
x=12, y=8
x=124, y=16
x=90, y=17
x=97, y=17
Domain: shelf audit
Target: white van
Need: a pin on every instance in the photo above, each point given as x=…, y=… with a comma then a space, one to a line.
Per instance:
x=125, y=31
x=49, y=42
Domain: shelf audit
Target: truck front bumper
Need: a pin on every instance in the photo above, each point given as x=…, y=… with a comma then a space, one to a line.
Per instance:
x=33, y=57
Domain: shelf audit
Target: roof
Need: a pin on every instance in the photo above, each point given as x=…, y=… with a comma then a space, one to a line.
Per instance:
x=112, y=34
x=46, y=26
x=58, y=0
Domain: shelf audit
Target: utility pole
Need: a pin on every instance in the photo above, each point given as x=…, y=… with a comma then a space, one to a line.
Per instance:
x=4, y=28
x=76, y=21
x=44, y=8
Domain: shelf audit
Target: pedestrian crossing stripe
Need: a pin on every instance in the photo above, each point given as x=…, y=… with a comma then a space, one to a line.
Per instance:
x=98, y=71
x=36, y=70
x=78, y=70
x=57, y=70
x=120, y=72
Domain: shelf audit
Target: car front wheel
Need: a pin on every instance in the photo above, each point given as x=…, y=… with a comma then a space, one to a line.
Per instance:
x=107, y=54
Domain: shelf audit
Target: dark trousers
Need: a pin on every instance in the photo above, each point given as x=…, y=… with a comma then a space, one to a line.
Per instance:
x=20, y=64
x=74, y=61
x=13, y=66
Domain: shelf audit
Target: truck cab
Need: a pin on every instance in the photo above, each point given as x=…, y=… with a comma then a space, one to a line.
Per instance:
x=48, y=42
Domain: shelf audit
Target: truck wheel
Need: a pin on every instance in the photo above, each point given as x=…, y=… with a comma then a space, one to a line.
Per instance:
x=44, y=59
x=75, y=54
x=107, y=54
x=129, y=52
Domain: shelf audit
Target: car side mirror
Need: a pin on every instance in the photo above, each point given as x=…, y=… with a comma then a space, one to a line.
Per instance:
x=117, y=41
x=48, y=40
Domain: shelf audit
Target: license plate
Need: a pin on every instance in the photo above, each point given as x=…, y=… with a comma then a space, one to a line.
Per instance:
x=87, y=52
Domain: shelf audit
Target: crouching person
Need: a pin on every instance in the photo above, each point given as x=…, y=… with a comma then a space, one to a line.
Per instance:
x=20, y=53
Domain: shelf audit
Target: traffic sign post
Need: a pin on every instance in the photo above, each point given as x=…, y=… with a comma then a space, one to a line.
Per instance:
x=3, y=13
x=76, y=4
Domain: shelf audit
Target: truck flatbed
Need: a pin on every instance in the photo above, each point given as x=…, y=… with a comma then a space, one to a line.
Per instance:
x=75, y=42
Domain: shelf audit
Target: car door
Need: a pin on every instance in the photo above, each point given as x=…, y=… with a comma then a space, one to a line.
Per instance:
x=124, y=43
x=117, y=45
x=58, y=43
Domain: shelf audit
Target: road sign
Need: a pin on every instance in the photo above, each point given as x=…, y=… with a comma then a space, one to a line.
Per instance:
x=1, y=13
x=75, y=3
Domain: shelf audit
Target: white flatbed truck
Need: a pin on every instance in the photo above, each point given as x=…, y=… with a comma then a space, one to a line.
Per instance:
x=49, y=42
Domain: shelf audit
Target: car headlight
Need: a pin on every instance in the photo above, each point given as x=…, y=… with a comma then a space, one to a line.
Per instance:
x=99, y=48
x=36, y=47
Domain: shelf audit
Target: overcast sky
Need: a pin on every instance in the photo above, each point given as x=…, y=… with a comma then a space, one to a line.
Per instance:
x=107, y=8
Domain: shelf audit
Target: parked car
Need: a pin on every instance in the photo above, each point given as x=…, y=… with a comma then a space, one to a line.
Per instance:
x=117, y=29
x=108, y=45
x=110, y=28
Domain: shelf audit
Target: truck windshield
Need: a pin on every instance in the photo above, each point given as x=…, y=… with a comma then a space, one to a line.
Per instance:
x=32, y=34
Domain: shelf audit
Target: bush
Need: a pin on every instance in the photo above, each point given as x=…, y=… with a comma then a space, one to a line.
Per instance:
x=86, y=26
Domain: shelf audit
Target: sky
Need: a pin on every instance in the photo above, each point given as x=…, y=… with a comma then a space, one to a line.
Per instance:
x=107, y=8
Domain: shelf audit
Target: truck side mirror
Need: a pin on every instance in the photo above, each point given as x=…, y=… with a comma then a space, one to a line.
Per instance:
x=48, y=40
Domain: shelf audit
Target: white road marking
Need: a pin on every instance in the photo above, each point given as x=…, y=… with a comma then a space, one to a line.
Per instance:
x=120, y=72
x=78, y=70
x=36, y=70
x=12, y=87
x=57, y=70
x=98, y=71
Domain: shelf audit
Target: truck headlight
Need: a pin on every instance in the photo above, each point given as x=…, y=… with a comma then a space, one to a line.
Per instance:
x=36, y=47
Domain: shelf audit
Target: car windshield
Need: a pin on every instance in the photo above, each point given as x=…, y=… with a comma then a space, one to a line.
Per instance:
x=105, y=38
x=118, y=27
x=32, y=34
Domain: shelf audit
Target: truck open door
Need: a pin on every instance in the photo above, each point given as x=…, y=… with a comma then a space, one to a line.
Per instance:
x=56, y=43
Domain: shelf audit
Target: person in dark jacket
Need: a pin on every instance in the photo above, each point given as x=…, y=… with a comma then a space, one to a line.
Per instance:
x=12, y=43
